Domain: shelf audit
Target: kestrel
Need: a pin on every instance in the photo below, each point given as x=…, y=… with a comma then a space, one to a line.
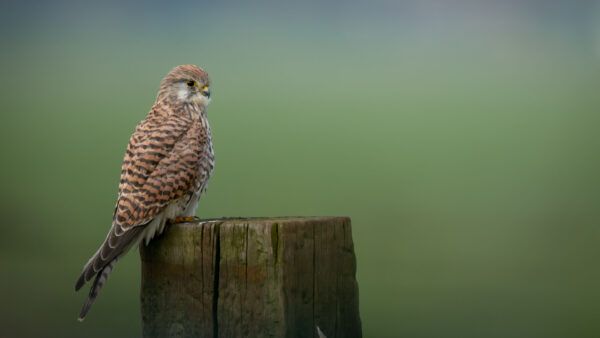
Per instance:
x=166, y=167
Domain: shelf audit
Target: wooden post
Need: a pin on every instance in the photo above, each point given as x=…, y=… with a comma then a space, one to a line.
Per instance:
x=251, y=277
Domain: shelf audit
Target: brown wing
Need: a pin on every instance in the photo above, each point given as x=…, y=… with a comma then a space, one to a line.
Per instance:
x=160, y=165
x=156, y=169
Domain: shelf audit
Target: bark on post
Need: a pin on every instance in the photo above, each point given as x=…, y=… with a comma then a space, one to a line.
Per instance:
x=251, y=277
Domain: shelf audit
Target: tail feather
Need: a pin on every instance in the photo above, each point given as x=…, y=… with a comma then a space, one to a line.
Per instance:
x=82, y=277
x=108, y=252
x=103, y=261
x=101, y=278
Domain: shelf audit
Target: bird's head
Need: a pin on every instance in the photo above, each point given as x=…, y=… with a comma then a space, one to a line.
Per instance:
x=186, y=84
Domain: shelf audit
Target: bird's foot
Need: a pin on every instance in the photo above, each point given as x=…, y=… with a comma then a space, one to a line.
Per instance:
x=180, y=220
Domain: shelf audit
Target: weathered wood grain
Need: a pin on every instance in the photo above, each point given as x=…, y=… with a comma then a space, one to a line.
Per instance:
x=251, y=277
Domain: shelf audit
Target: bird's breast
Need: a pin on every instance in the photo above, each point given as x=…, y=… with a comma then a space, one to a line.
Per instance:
x=207, y=157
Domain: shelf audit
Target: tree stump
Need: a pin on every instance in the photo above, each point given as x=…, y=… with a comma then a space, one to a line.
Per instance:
x=251, y=277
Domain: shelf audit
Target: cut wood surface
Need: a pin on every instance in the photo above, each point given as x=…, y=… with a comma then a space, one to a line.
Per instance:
x=251, y=277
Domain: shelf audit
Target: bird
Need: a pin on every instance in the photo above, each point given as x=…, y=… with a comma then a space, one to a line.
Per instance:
x=167, y=165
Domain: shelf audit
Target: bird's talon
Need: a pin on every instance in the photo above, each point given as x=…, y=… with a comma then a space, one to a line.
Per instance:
x=180, y=219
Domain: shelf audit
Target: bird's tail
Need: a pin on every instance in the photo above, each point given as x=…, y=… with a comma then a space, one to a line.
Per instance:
x=101, y=278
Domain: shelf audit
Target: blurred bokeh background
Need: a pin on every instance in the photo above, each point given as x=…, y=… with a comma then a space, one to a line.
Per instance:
x=461, y=137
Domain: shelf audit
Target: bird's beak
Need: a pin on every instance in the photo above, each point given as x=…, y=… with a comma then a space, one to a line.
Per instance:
x=206, y=92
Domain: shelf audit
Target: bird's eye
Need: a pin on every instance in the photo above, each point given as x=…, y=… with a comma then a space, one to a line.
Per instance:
x=192, y=83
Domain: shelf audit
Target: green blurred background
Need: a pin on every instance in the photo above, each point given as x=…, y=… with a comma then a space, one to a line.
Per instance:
x=461, y=137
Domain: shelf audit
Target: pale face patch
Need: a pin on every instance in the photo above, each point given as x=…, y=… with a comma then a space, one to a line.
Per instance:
x=187, y=94
x=200, y=99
